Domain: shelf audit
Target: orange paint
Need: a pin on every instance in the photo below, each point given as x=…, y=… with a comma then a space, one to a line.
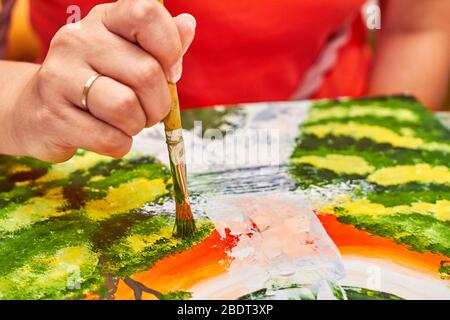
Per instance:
x=180, y=272
x=92, y=296
x=352, y=241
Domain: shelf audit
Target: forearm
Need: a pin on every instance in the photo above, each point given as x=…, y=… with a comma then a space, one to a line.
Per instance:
x=15, y=78
x=413, y=50
x=416, y=63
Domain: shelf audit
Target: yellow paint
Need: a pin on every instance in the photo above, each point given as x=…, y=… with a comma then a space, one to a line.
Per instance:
x=66, y=262
x=340, y=164
x=439, y=210
x=127, y=196
x=421, y=173
x=407, y=132
x=96, y=178
x=17, y=168
x=78, y=162
x=359, y=131
x=375, y=133
x=62, y=263
x=72, y=255
x=437, y=146
x=139, y=242
x=35, y=210
x=339, y=112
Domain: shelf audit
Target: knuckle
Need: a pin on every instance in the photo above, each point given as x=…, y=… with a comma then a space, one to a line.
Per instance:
x=165, y=106
x=124, y=103
x=143, y=10
x=98, y=10
x=64, y=37
x=126, y=106
x=175, y=54
x=59, y=155
x=45, y=74
x=49, y=74
x=110, y=141
x=115, y=144
x=159, y=112
x=149, y=74
x=134, y=128
x=44, y=115
x=48, y=79
x=123, y=149
x=171, y=59
x=51, y=116
x=54, y=150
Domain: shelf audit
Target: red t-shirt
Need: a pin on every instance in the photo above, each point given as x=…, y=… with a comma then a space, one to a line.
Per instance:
x=248, y=50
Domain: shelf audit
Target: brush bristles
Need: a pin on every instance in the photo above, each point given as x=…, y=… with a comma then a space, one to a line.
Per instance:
x=184, y=223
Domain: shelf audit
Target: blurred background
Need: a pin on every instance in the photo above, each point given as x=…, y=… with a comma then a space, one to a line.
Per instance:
x=23, y=44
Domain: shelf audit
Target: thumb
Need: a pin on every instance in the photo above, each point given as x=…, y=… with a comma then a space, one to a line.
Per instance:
x=186, y=25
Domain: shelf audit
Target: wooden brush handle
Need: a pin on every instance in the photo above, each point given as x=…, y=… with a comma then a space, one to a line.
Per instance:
x=173, y=119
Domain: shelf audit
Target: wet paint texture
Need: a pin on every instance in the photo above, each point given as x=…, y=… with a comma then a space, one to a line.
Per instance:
x=401, y=172
x=67, y=230
x=281, y=241
x=310, y=293
x=82, y=230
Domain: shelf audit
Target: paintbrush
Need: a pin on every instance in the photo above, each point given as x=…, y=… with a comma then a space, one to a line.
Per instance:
x=184, y=221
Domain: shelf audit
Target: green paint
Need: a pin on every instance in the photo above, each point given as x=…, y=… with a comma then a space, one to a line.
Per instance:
x=44, y=238
x=354, y=293
x=214, y=118
x=420, y=232
x=123, y=260
x=444, y=270
x=303, y=292
x=409, y=193
x=29, y=255
x=177, y=295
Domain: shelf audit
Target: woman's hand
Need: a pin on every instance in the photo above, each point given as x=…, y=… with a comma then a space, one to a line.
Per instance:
x=136, y=47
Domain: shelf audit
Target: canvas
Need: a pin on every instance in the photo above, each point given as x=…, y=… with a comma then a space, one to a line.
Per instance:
x=345, y=199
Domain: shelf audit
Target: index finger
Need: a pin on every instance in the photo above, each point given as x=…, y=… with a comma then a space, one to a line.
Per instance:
x=148, y=24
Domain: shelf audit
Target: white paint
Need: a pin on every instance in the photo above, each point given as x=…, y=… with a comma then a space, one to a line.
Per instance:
x=276, y=255
x=395, y=279
x=291, y=248
x=273, y=126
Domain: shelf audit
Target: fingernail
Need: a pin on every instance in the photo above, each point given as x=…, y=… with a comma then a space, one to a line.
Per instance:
x=191, y=21
x=175, y=72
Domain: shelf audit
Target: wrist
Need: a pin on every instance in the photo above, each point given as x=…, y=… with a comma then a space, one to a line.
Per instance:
x=8, y=143
x=19, y=99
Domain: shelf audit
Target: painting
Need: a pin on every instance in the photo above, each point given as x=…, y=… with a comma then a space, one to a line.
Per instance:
x=343, y=199
x=392, y=159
